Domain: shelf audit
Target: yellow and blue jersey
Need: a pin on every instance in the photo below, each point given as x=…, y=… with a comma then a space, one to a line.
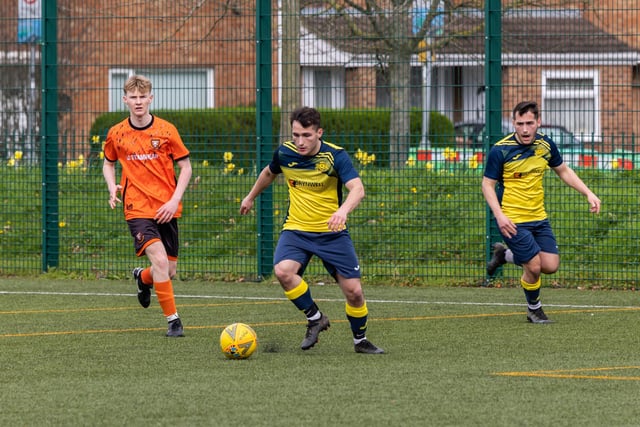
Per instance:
x=519, y=170
x=314, y=182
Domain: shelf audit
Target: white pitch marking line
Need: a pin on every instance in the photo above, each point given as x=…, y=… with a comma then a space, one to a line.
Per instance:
x=495, y=304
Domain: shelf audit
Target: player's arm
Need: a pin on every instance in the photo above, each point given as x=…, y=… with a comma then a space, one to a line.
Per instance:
x=264, y=180
x=109, y=173
x=569, y=177
x=338, y=220
x=506, y=226
x=165, y=213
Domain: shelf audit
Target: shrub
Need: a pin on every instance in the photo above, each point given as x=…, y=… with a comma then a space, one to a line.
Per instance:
x=210, y=132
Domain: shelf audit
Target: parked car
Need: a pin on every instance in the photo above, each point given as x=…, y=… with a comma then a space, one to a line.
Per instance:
x=470, y=134
x=564, y=139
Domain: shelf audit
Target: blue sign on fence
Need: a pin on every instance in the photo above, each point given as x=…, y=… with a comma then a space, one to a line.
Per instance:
x=29, y=21
x=419, y=13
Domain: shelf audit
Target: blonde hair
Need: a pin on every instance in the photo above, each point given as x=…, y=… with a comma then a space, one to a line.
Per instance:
x=135, y=82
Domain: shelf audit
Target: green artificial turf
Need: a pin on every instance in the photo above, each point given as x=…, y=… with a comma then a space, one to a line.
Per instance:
x=85, y=353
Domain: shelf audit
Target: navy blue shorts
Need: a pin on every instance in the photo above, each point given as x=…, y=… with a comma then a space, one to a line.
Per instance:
x=334, y=249
x=146, y=231
x=532, y=237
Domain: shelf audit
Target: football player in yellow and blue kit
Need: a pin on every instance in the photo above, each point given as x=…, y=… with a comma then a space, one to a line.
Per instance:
x=316, y=224
x=517, y=164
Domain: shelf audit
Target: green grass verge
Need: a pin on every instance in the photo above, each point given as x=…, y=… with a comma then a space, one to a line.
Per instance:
x=415, y=227
x=85, y=353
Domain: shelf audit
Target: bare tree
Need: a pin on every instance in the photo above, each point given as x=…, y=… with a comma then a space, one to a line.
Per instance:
x=384, y=29
x=290, y=39
x=387, y=30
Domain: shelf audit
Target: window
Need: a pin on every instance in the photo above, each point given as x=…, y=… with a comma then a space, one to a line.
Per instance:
x=323, y=87
x=635, y=76
x=172, y=89
x=571, y=98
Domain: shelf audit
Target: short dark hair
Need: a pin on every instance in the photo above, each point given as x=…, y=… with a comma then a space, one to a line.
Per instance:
x=525, y=107
x=306, y=116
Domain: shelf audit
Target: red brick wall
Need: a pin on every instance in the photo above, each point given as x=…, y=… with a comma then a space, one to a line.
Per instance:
x=99, y=35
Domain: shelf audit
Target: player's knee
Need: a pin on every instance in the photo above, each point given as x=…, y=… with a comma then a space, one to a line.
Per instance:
x=533, y=267
x=355, y=300
x=550, y=263
x=353, y=294
x=282, y=273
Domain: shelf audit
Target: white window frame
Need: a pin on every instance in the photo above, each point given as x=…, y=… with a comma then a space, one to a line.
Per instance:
x=559, y=94
x=115, y=91
x=338, y=78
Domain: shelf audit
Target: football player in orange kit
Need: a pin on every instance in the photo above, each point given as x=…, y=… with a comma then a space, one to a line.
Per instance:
x=147, y=148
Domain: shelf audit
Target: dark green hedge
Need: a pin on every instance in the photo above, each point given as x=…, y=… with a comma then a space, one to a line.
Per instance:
x=209, y=133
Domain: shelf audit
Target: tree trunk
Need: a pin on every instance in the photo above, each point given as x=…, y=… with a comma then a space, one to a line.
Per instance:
x=399, y=125
x=291, y=84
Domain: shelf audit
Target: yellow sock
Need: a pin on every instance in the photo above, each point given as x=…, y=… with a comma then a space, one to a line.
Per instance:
x=357, y=317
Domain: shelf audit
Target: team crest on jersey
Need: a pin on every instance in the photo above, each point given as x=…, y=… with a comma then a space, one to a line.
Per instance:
x=541, y=151
x=155, y=143
x=322, y=166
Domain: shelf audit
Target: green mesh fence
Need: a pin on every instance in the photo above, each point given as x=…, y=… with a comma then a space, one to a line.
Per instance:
x=407, y=88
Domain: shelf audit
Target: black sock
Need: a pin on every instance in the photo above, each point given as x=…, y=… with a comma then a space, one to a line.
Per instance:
x=311, y=311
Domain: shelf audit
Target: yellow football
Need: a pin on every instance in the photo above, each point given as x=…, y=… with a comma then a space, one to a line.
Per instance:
x=238, y=341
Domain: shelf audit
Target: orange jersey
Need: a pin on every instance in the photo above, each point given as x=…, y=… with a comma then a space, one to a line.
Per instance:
x=147, y=157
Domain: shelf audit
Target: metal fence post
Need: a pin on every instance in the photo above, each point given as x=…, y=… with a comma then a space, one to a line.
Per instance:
x=493, y=98
x=264, y=137
x=49, y=146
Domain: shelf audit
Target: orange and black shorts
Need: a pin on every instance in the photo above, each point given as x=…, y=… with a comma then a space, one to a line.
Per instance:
x=147, y=231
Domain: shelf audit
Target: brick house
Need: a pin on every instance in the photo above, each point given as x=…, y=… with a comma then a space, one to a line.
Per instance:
x=584, y=77
x=197, y=57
